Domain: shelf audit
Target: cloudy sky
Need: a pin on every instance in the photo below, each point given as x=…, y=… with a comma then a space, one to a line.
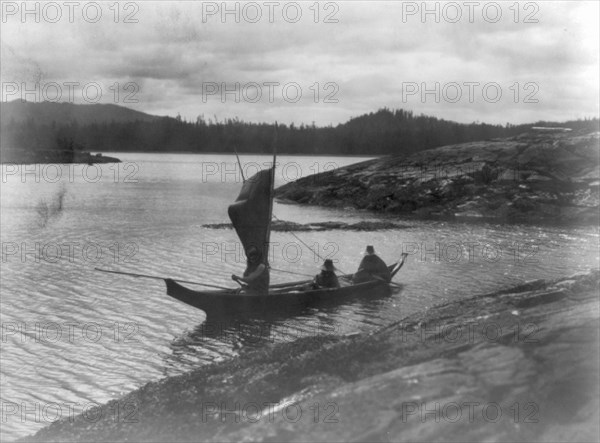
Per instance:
x=305, y=62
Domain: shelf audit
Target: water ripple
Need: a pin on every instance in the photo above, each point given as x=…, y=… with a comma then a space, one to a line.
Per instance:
x=118, y=332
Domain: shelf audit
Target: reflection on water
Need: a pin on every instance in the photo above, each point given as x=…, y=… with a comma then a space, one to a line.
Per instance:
x=71, y=334
x=213, y=340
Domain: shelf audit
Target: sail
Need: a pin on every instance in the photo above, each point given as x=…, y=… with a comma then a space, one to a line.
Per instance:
x=251, y=212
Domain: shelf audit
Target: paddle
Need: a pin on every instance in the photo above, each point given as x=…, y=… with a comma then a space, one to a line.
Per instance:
x=161, y=278
x=391, y=283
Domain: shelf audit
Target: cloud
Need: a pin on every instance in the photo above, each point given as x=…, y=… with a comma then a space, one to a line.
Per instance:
x=371, y=53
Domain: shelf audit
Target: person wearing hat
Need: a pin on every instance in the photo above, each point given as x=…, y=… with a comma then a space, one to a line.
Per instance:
x=327, y=277
x=256, y=275
x=371, y=268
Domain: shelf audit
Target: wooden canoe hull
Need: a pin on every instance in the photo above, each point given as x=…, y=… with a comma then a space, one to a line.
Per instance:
x=280, y=301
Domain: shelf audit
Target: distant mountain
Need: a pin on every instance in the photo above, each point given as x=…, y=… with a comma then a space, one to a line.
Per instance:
x=64, y=113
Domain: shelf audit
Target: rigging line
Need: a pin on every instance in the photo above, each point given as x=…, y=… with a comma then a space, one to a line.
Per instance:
x=290, y=272
x=300, y=240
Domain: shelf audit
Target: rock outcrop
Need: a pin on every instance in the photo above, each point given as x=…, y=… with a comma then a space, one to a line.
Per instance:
x=517, y=365
x=534, y=177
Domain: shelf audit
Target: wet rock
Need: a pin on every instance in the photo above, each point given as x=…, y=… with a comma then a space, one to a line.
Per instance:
x=520, y=364
x=529, y=178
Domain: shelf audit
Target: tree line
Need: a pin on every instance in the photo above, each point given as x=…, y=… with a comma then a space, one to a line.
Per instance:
x=383, y=132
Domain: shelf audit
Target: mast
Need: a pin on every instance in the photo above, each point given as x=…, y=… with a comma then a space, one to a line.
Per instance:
x=239, y=164
x=271, y=194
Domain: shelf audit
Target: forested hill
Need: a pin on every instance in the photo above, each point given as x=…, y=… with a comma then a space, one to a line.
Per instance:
x=43, y=126
x=65, y=113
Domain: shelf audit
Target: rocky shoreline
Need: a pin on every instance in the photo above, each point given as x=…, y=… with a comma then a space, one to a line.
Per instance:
x=536, y=177
x=53, y=156
x=517, y=365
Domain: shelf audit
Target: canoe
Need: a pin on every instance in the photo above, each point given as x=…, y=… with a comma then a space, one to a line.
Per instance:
x=251, y=216
x=285, y=298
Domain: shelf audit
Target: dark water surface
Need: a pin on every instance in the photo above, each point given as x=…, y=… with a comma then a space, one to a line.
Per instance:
x=72, y=336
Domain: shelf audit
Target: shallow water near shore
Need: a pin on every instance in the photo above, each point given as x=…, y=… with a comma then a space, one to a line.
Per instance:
x=74, y=336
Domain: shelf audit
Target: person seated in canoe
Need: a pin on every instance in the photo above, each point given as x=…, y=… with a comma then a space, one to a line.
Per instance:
x=371, y=268
x=256, y=275
x=327, y=277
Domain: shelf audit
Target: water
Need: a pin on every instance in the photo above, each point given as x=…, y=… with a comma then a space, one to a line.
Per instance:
x=72, y=336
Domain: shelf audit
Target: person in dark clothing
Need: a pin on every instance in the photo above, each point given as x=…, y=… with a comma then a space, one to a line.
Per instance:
x=327, y=277
x=371, y=268
x=256, y=275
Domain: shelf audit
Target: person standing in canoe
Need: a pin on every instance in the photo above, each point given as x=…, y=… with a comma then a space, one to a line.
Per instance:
x=327, y=277
x=256, y=275
x=371, y=268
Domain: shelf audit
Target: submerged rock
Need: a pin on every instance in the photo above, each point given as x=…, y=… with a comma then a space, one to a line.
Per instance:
x=281, y=225
x=529, y=178
x=516, y=365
